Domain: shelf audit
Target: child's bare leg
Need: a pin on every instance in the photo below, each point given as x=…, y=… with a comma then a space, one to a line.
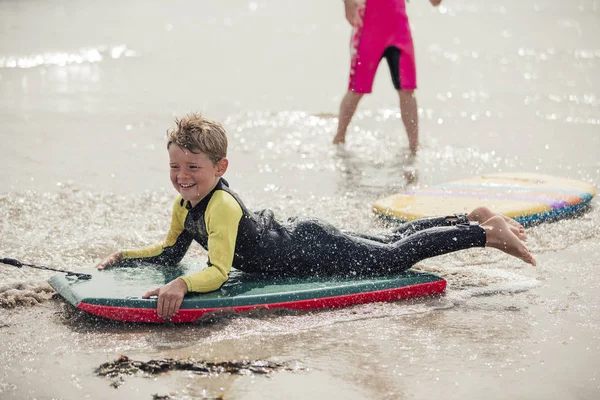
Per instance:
x=410, y=117
x=347, y=109
x=500, y=236
x=482, y=214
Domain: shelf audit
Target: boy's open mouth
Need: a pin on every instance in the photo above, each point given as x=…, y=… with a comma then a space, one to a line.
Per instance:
x=187, y=185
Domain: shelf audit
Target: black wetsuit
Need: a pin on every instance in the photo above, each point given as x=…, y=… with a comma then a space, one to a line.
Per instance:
x=256, y=242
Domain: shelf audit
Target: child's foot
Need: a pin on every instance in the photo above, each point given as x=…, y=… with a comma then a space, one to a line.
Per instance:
x=500, y=236
x=482, y=214
x=339, y=139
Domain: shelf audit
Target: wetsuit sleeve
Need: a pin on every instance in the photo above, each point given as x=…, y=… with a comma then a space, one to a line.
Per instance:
x=223, y=215
x=172, y=250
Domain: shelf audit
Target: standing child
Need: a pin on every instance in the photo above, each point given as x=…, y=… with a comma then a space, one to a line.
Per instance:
x=381, y=29
x=210, y=213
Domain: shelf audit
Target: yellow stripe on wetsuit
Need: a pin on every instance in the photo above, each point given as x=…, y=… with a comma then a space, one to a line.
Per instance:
x=222, y=216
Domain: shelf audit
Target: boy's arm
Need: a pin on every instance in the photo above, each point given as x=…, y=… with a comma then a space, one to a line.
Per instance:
x=223, y=215
x=172, y=250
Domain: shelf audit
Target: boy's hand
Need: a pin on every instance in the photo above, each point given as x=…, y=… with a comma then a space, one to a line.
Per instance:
x=353, y=12
x=170, y=298
x=110, y=260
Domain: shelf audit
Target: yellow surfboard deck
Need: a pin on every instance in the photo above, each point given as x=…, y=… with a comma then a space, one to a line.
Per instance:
x=527, y=197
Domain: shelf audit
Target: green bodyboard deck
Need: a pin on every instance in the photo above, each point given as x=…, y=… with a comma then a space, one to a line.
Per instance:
x=116, y=293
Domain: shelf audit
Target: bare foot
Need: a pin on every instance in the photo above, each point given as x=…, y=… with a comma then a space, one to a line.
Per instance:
x=482, y=214
x=338, y=139
x=500, y=236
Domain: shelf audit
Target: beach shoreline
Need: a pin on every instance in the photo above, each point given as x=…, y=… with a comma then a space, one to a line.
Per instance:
x=88, y=90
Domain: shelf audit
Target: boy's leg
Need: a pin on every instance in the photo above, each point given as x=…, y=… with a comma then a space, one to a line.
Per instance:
x=320, y=249
x=410, y=117
x=347, y=109
x=495, y=232
x=480, y=215
x=409, y=228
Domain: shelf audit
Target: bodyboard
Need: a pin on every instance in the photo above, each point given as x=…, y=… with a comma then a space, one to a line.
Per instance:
x=116, y=293
x=526, y=197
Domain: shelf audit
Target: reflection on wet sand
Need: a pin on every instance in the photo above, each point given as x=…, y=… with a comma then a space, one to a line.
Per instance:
x=375, y=176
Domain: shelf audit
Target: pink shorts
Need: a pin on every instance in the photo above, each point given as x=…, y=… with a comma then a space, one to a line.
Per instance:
x=385, y=33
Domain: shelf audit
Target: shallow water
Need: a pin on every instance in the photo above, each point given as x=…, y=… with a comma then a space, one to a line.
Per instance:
x=84, y=105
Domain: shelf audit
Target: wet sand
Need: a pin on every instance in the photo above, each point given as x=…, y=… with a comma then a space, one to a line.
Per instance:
x=87, y=90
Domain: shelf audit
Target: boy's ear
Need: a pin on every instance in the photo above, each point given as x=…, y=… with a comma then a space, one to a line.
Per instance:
x=222, y=165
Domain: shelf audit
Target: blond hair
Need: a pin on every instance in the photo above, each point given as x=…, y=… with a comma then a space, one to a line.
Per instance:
x=199, y=135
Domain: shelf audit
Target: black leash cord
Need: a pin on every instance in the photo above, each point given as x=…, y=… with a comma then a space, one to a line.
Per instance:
x=19, y=264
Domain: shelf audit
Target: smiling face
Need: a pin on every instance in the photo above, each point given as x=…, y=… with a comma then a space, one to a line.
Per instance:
x=194, y=175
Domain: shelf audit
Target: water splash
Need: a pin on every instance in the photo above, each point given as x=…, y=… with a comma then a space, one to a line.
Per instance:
x=73, y=228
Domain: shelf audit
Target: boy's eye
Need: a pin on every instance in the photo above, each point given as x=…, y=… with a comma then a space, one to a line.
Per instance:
x=174, y=166
x=193, y=167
